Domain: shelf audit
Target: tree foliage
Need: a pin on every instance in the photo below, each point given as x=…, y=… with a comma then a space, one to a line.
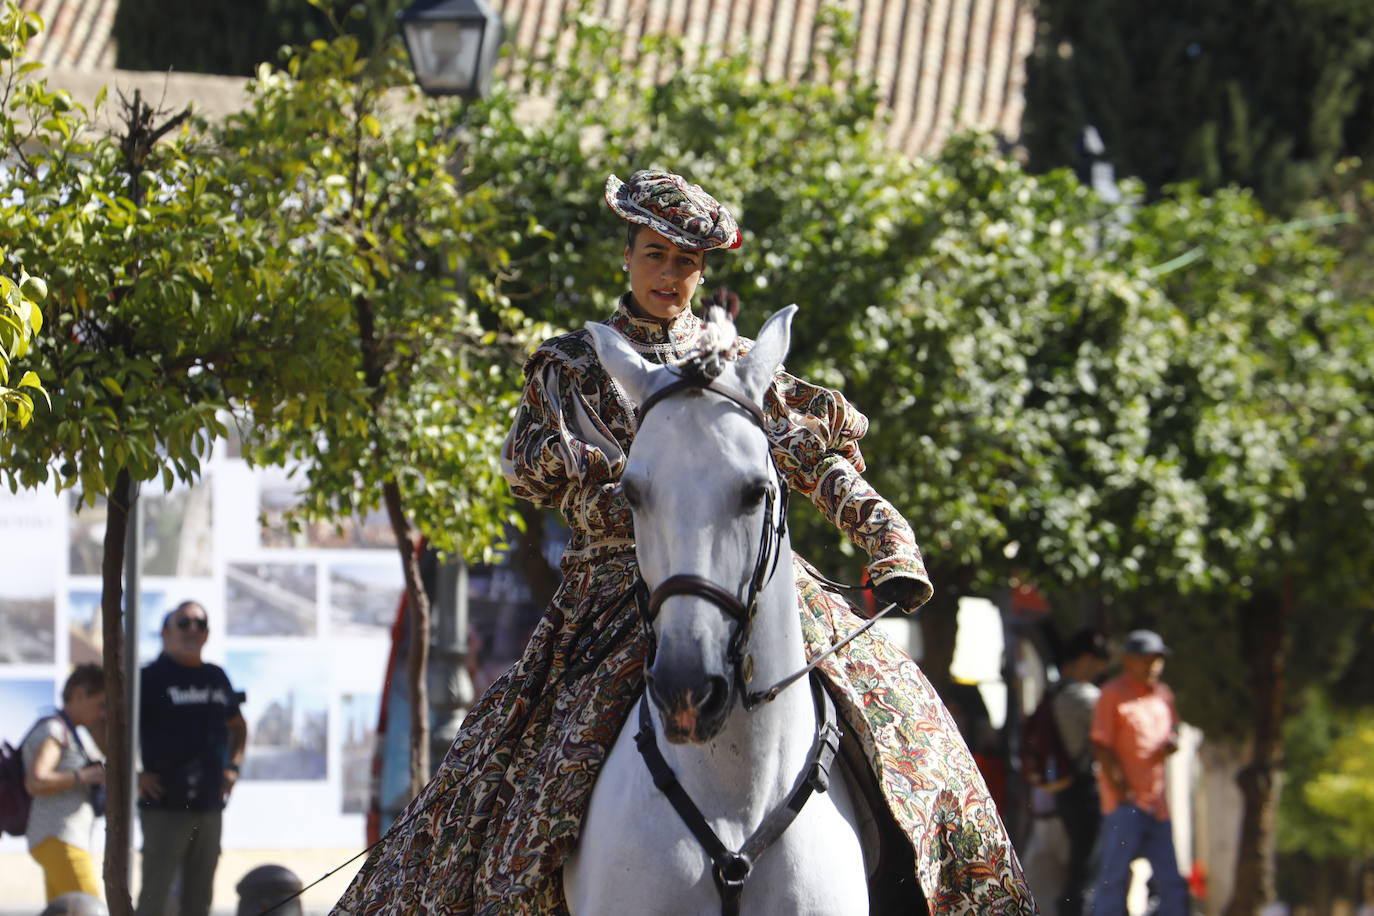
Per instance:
x=21, y=316
x=230, y=38
x=995, y=324
x=414, y=379
x=1270, y=95
x=166, y=309
x=351, y=168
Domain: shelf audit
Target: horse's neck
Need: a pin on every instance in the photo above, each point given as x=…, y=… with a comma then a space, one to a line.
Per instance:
x=749, y=767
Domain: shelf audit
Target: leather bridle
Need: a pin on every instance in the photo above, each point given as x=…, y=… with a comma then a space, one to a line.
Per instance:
x=742, y=611
x=695, y=377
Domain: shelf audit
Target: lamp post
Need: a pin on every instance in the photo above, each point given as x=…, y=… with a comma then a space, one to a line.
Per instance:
x=452, y=45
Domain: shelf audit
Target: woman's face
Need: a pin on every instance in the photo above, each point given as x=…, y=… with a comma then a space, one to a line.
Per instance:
x=663, y=277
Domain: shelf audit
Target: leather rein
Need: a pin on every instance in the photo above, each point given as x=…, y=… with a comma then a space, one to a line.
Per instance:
x=731, y=868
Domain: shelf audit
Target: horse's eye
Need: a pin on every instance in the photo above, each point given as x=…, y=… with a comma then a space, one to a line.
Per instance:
x=754, y=493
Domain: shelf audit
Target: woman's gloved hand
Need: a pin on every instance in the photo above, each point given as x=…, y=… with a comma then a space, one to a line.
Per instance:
x=902, y=591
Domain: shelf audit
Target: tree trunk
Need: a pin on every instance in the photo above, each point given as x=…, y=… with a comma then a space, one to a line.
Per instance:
x=417, y=606
x=1264, y=644
x=939, y=628
x=118, y=739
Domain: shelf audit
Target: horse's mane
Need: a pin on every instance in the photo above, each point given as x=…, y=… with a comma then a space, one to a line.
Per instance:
x=715, y=346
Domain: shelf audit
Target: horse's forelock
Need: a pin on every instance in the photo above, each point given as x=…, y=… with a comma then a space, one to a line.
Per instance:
x=718, y=335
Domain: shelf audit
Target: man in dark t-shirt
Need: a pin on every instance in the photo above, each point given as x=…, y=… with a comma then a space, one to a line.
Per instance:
x=192, y=738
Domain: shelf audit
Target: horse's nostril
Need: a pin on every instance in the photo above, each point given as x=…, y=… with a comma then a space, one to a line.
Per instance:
x=717, y=695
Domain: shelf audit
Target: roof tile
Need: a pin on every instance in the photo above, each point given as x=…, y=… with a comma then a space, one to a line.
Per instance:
x=940, y=65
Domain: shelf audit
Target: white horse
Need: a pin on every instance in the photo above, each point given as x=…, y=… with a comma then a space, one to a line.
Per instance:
x=707, y=501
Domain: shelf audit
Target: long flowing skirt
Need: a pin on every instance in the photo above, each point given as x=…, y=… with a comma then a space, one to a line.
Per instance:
x=490, y=833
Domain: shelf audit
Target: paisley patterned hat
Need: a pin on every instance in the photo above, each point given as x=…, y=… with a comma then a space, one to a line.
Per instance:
x=682, y=213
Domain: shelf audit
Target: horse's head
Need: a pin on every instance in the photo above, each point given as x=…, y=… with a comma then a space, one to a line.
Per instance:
x=701, y=484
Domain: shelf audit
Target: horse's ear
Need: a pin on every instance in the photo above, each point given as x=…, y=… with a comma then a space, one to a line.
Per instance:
x=636, y=375
x=756, y=368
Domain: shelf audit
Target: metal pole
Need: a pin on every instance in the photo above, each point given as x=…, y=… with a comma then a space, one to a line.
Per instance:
x=451, y=689
x=132, y=574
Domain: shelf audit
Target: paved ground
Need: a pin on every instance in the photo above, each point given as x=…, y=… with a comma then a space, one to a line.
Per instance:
x=21, y=881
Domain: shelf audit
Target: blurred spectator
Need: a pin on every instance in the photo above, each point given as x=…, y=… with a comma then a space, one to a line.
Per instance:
x=67, y=786
x=1078, y=803
x=1135, y=727
x=192, y=738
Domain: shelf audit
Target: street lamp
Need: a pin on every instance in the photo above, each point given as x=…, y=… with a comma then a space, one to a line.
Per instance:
x=452, y=45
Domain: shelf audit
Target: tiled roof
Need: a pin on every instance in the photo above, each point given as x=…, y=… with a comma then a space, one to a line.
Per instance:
x=76, y=33
x=941, y=65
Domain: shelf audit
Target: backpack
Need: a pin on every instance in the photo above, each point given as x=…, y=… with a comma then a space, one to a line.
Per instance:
x=14, y=798
x=1044, y=760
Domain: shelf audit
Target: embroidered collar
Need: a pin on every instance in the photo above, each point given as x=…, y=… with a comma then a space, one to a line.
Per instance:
x=650, y=334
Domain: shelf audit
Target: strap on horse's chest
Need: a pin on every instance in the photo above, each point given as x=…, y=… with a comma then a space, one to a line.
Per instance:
x=730, y=869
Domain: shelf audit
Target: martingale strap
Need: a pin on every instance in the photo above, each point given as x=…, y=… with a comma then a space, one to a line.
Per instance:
x=731, y=869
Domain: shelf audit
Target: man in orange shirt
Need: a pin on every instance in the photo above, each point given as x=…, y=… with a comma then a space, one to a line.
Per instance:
x=1135, y=727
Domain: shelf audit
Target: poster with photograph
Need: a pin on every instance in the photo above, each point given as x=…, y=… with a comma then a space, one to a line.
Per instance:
x=22, y=702
x=363, y=596
x=178, y=539
x=279, y=493
x=30, y=567
x=287, y=710
x=501, y=615
x=86, y=537
x=85, y=638
x=26, y=629
x=270, y=599
x=358, y=722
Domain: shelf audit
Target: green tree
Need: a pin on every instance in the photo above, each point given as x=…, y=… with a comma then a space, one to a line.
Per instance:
x=1320, y=851
x=229, y=39
x=416, y=374
x=166, y=309
x=1271, y=418
x=20, y=314
x=963, y=303
x=21, y=317
x=1269, y=94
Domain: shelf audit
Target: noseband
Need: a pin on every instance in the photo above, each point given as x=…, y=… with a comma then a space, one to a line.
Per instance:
x=698, y=378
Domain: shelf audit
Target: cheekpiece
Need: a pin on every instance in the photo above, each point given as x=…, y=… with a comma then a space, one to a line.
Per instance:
x=674, y=208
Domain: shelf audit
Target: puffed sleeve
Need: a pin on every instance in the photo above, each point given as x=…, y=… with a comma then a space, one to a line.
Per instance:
x=560, y=453
x=815, y=435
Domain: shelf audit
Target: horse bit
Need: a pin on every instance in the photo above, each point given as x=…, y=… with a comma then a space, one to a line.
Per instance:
x=730, y=869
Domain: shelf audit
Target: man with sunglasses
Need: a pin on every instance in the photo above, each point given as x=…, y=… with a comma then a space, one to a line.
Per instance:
x=192, y=737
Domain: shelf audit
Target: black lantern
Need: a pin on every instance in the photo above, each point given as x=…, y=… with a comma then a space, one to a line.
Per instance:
x=452, y=45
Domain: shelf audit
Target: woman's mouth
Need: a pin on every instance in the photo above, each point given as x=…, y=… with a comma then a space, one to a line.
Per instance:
x=664, y=293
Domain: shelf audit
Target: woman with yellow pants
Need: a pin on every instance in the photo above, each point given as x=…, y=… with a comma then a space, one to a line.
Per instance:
x=61, y=777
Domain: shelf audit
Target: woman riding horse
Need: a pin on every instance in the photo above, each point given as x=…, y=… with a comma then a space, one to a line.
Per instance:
x=491, y=832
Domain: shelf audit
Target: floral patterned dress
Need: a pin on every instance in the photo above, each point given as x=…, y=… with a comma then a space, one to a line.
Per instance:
x=491, y=832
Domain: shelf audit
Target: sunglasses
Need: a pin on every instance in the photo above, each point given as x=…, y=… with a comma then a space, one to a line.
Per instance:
x=192, y=623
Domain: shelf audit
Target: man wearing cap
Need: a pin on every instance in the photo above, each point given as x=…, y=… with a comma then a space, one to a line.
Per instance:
x=1135, y=728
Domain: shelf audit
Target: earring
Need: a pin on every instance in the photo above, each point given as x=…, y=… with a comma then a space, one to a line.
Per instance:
x=625, y=268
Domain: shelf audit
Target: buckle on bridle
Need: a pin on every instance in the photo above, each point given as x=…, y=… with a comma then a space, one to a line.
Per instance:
x=732, y=869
